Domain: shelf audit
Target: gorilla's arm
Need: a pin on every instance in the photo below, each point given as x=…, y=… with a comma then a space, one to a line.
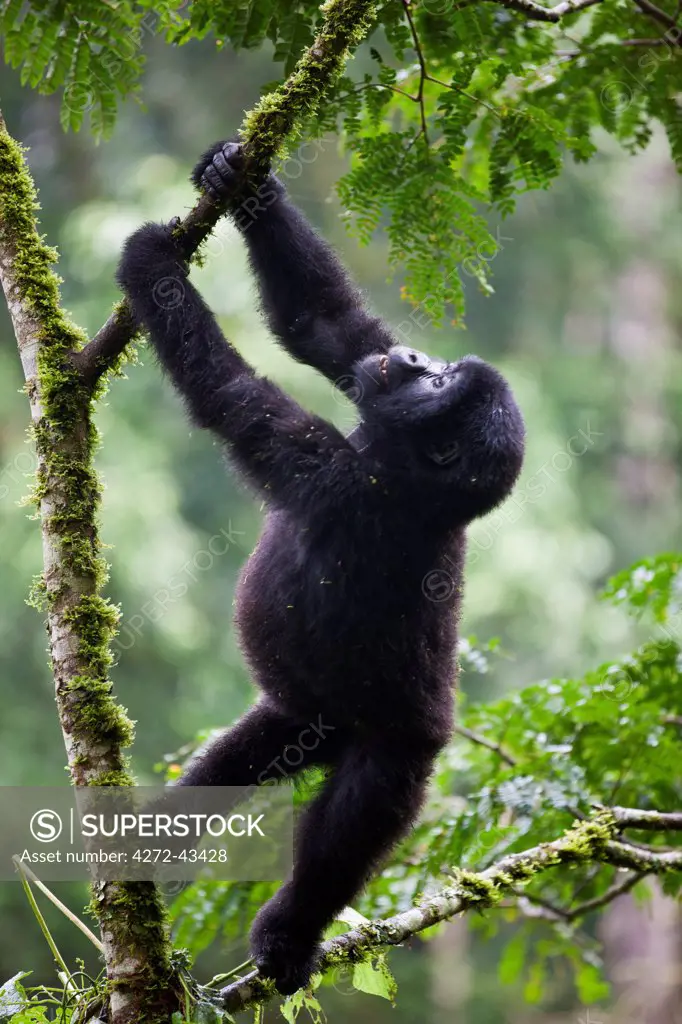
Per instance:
x=311, y=305
x=276, y=443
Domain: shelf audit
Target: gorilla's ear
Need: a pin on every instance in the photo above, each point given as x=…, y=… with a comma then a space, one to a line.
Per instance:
x=443, y=454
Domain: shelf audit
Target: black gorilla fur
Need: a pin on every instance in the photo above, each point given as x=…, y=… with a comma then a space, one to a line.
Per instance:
x=353, y=652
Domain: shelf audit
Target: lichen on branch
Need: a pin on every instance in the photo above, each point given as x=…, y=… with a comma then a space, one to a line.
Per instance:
x=591, y=841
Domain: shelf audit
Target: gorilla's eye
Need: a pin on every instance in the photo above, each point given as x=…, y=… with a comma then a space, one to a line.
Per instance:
x=437, y=382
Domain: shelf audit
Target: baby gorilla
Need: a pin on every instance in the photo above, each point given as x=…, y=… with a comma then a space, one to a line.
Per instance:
x=347, y=609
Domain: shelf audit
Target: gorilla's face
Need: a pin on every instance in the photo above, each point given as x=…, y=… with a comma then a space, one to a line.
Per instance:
x=458, y=421
x=408, y=386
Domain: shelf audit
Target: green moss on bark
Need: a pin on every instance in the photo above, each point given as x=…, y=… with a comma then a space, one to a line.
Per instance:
x=66, y=488
x=475, y=891
x=281, y=114
x=132, y=913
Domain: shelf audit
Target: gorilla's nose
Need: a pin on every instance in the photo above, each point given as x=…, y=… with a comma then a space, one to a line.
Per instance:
x=404, y=364
x=408, y=360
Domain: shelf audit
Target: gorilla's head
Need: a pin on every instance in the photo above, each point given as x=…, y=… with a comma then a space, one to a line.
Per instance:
x=456, y=424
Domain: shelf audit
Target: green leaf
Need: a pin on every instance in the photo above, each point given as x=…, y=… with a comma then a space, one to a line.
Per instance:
x=535, y=985
x=302, y=1000
x=513, y=959
x=590, y=984
x=375, y=978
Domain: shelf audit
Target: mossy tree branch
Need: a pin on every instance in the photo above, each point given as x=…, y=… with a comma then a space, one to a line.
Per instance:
x=80, y=621
x=592, y=841
x=265, y=130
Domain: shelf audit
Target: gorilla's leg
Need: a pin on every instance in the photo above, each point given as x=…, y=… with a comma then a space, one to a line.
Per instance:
x=367, y=806
x=264, y=746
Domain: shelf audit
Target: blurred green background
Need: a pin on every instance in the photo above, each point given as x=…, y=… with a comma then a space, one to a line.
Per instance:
x=585, y=322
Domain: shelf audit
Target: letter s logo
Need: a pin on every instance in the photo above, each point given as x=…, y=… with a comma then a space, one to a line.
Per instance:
x=46, y=826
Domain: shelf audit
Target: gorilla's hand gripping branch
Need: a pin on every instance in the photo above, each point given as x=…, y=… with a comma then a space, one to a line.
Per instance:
x=264, y=131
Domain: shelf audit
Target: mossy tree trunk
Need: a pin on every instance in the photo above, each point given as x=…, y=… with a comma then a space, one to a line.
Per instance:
x=80, y=621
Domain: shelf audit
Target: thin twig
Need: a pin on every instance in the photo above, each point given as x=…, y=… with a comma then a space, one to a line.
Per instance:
x=660, y=41
x=611, y=894
x=40, y=919
x=646, y=42
x=657, y=821
x=58, y=903
x=383, y=85
x=654, y=12
x=463, y=92
x=422, y=68
x=544, y=908
x=552, y=912
x=482, y=741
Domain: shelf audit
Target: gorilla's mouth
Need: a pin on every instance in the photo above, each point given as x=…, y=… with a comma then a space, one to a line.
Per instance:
x=383, y=370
